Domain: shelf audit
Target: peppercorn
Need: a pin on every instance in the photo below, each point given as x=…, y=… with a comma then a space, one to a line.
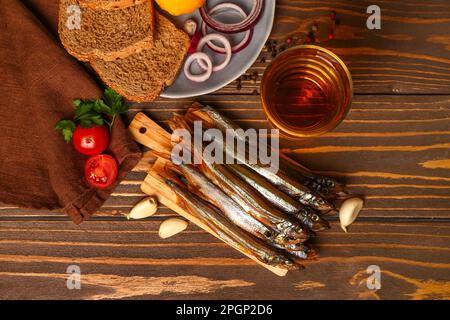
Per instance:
x=311, y=37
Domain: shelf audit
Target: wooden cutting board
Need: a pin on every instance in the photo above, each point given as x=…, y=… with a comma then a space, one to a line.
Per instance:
x=147, y=132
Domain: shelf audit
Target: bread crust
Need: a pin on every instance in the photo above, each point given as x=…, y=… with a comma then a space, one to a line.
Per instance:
x=109, y=5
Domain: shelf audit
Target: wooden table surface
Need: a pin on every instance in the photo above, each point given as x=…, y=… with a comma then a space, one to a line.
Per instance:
x=393, y=148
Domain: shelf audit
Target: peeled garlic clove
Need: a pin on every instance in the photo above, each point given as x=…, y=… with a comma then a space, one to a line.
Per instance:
x=144, y=209
x=190, y=26
x=349, y=210
x=171, y=227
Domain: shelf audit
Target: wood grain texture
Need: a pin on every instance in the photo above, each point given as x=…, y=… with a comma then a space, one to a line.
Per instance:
x=128, y=260
x=410, y=54
x=400, y=169
x=393, y=148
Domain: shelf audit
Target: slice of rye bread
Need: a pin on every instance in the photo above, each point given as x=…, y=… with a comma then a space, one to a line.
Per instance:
x=105, y=33
x=143, y=75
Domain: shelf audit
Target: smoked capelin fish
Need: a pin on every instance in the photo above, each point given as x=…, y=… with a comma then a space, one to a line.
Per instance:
x=199, y=182
x=229, y=233
x=289, y=230
x=246, y=196
x=278, y=179
x=279, y=210
x=283, y=238
x=293, y=249
x=254, y=204
x=285, y=203
x=325, y=186
x=308, y=216
x=234, y=212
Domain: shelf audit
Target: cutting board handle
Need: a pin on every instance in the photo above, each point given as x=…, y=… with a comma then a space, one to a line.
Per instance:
x=150, y=134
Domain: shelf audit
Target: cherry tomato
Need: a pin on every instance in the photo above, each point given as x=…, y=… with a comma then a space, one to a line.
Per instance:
x=100, y=171
x=91, y=141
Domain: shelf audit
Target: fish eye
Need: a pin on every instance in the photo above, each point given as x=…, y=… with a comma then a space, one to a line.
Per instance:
x=268, y=234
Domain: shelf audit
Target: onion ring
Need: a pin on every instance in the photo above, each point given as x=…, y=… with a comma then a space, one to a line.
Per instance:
x=248, y=34
x=227, y=46
x=199, y=56
x=194, y=42
x=246, y=24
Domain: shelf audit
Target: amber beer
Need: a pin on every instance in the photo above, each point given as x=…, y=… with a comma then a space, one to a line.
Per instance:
x=306, y=91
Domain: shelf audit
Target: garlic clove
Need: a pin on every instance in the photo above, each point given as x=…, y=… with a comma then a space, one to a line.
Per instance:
x=349, y=211
x=145, y=208
x=171, y=227
x=190, y=26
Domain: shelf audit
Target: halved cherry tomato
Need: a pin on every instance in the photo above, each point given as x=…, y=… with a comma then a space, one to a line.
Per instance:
x=91, y=141
x=100, y=171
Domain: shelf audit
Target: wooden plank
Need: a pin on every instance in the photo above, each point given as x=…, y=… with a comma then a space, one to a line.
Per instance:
x=386, y=149
x=392, y=149
x=128, y=260
x=410, y=54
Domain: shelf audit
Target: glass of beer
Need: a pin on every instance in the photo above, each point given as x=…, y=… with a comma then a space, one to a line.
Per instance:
x=306, y=91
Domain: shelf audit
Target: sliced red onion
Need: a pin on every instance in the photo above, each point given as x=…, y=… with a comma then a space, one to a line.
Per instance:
x=194, y=42
x=248, y=34
x=246, y=24
x=226, y=45
x=206, y=60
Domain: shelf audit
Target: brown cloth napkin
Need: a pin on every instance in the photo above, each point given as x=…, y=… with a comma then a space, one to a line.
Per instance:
x=38, y=81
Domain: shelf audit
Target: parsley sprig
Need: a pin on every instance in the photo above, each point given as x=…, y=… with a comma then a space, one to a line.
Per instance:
x=93, y=112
